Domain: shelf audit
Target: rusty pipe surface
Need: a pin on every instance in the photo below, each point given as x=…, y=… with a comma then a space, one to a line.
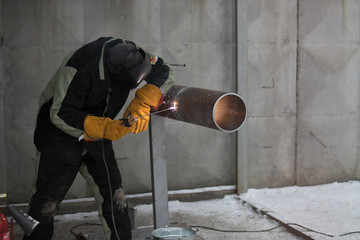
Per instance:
x=213, y=109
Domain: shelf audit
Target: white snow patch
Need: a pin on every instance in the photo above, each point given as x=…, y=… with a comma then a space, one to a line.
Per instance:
x=77, y=216
x=330, y=208
x=188, y=191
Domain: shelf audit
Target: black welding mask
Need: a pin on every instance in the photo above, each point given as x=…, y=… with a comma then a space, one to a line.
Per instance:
x=129, y=64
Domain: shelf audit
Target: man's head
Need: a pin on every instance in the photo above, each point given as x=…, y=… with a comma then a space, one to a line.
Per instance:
x=129, y=63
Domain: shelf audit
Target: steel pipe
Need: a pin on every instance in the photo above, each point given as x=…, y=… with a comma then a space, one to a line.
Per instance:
x=213, y=109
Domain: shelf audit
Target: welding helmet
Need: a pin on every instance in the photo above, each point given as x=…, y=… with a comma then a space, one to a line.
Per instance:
x=129, y=64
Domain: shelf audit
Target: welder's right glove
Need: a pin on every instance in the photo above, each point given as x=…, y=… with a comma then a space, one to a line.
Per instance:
x=147, y=97
x=97, y=128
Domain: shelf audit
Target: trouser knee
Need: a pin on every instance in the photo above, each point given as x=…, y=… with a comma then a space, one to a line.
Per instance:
x=45, y=209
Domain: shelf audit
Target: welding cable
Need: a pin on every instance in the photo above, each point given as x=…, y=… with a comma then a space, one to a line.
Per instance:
x=265, y=230
x=110, y=190
x=344, y=234
x=237, y=231
x=308, y=229
x=268, y=230
x=80, y=236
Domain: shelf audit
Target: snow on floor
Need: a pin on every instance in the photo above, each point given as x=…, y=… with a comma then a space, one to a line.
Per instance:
x=333, y=208
x=228, y=213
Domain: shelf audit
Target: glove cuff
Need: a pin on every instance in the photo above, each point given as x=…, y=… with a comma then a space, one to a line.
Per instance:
x=94, y=128
x=160, y=102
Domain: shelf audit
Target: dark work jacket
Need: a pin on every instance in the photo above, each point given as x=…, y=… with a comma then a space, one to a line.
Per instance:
x=81, y=86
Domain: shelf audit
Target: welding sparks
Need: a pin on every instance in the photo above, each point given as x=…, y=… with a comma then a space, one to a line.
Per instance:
x=174, y=106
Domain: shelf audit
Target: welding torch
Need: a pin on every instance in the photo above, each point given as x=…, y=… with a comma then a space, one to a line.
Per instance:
x=127, y=122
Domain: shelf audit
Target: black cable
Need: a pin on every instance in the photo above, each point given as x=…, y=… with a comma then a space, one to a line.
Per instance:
x=109, y=182
x=268, y=230
x=81, y=236
x=237, y=231
x=111, y=195
x=310, y=230
x=344, y=234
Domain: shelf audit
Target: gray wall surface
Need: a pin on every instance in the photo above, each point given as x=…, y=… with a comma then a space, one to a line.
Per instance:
x=303, y=86
x=2, y=116
x=272, y=31
x=328, y=91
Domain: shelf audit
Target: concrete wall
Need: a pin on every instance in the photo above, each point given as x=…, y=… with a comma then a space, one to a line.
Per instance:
x=303, y=97
x=271, y=92
x=199, y=34
x=303, y=86
x=328, y=91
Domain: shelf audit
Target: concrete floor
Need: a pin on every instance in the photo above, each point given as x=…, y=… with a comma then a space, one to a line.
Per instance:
x=321, y=212
x=92, y=229
x=208, y=213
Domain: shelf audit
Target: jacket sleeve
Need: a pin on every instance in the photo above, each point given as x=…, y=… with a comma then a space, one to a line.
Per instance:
x=63, y=83
x=72, y=83
x=161, y=74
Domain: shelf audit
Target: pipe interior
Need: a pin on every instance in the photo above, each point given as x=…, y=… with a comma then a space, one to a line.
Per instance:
x=229, y=112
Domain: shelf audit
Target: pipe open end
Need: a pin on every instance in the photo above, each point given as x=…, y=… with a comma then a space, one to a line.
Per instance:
x=229, y=112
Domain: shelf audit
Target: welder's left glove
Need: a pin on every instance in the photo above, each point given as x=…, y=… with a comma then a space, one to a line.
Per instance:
x=98, y=128
x=147, y=97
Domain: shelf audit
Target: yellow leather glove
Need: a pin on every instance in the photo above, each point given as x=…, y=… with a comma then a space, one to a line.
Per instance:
x=147, y=97
x=97, y=128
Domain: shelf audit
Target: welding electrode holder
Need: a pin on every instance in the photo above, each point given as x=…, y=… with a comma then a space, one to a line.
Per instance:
x=125, y=122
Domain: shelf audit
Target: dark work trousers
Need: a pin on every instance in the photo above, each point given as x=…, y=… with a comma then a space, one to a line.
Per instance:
x=54, y=180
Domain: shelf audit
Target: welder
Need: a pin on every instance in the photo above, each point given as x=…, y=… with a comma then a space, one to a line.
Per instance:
x=77, y=122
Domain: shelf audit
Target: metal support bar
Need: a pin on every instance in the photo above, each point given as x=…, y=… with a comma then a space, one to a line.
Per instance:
x=242, y=85
x=158, y=172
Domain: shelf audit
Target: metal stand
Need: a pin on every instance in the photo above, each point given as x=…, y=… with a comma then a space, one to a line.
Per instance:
x=158, y=180
x=158, y=172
